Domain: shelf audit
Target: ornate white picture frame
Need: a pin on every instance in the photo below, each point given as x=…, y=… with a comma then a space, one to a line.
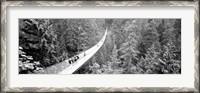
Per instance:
x=53, y=4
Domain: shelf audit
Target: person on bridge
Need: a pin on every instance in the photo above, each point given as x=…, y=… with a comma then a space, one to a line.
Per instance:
x=70, y=60
x=75, y=58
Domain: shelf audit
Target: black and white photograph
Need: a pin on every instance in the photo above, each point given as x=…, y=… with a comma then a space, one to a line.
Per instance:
x=99, y=46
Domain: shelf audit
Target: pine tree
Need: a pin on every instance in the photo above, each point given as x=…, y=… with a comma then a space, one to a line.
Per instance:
x=150, y=35
x=37, y=39
x=177, y=40
x=130, y=47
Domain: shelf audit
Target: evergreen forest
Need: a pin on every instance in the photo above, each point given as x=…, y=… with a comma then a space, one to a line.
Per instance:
x=132, y=46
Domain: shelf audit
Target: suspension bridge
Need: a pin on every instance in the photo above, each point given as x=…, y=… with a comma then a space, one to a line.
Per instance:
x=69, y=66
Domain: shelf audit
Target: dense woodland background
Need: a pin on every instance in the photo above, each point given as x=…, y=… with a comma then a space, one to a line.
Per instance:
x=132, y=46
